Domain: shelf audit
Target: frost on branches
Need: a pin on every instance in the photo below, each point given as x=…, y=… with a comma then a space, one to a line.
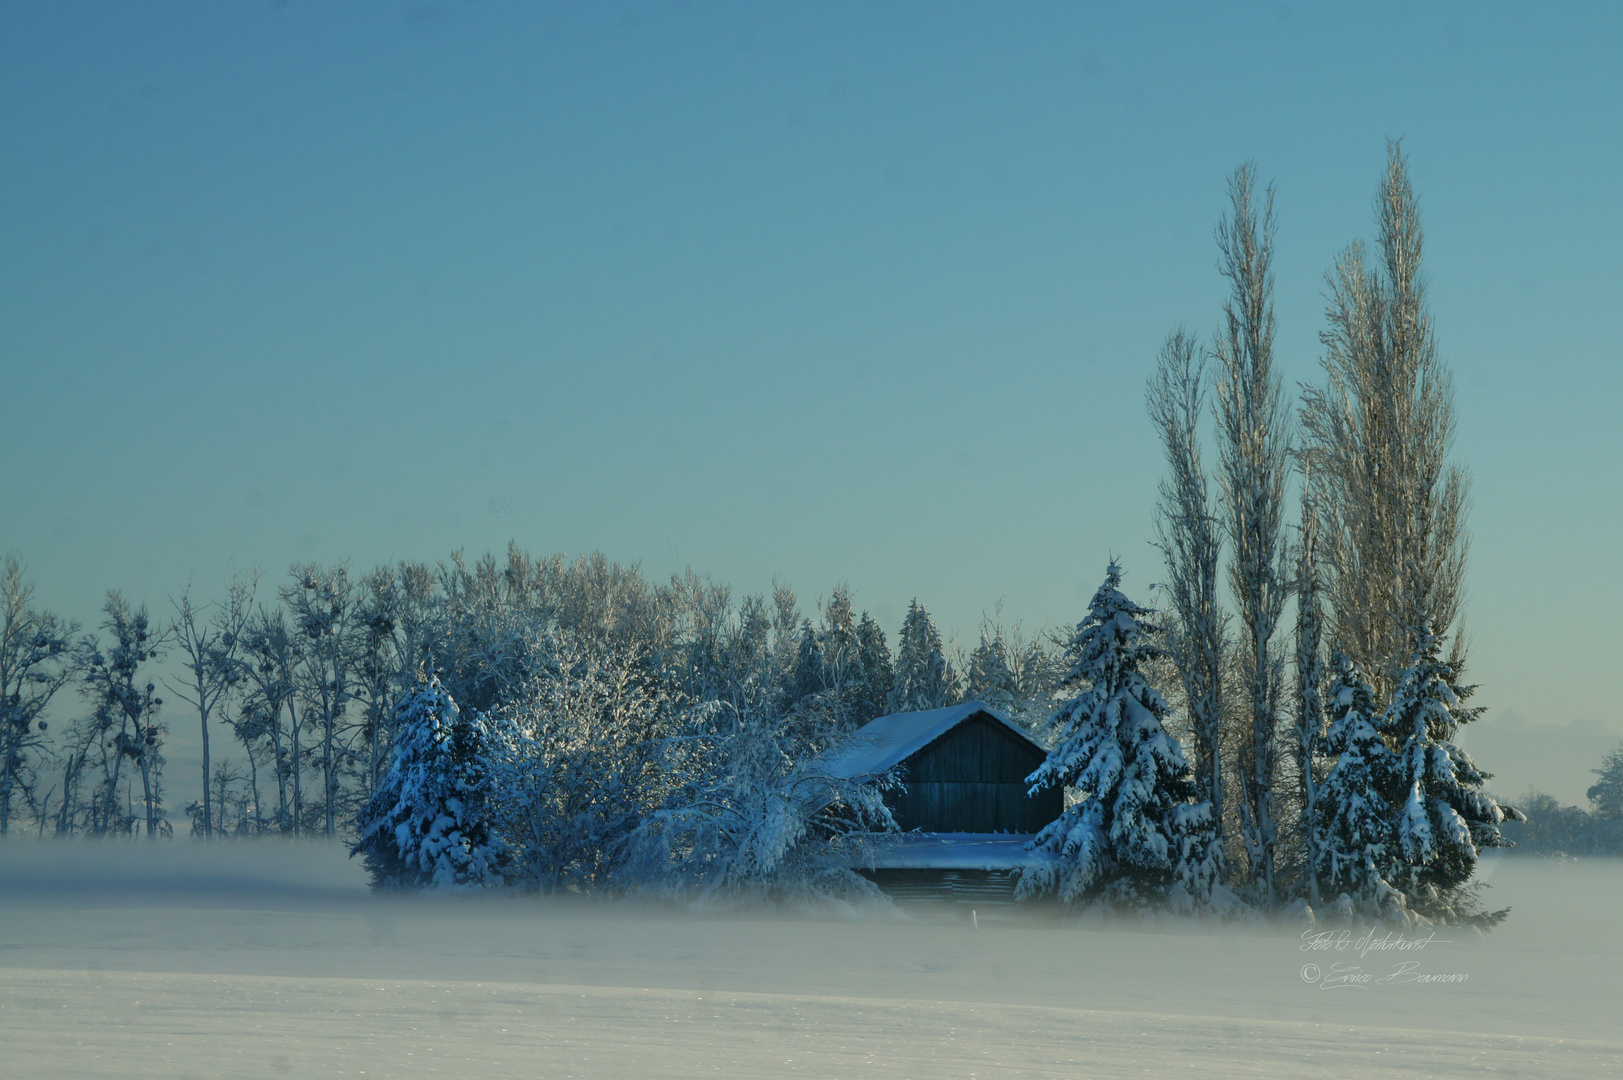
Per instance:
x=755, y=823
x=426, y=824
x=575, y=760
x=1443, y=817
x=1136, y=839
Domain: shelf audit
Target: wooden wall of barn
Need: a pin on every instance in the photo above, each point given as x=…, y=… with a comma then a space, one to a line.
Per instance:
x=973, y=779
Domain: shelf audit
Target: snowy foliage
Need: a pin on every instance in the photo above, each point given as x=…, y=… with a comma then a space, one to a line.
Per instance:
x=842, y=672
x=1354, y=838
x=924, y=679
x=1443, y=817
x=1606, y=795
x=427, y=824
x=990, y=677
x=753, y=823
x=575, y=761
x=878, y=670
x=1123, y=841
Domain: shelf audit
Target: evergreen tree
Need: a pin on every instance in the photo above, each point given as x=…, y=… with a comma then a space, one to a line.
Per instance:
x=990, y=678
x=839, y=641
x=878, y=673
x=1606, y=796
x=426, y=825
x=924, y=679
x=1121, y=843
x=808, y=664
x=1352, y=826
x=1443, y=816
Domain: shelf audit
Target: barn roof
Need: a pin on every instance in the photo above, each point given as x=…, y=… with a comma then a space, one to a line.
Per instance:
x=884, y=743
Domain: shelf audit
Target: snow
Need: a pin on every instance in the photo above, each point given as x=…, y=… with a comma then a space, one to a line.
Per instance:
x=272, y=960
x=886, y=742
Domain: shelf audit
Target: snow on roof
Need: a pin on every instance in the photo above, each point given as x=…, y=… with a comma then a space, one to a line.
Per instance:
x=953, y=851
x=884, y=743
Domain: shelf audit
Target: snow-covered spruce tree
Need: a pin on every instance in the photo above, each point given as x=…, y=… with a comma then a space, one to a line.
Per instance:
x=1443, y=816
x=924, y=679
x=809, y=668
x=878, y=672
x=426, y=825
x=990, y=678
x=841, y=646
x=1120, y=845
x=1354, y=836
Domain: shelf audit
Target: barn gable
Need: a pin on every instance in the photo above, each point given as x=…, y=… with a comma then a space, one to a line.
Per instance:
x=963, y=807
x=972, y=779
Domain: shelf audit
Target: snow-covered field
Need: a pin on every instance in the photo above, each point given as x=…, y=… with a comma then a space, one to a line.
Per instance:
x=269, y=960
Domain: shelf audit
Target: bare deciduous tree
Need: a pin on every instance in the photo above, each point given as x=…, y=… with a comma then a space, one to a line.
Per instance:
x=1190, y=540
x=35, y=662
x=324, y=608
x=273, y=662
x=1309, y=688
x=210, y=656
x=125, y=723
x=1253, y=442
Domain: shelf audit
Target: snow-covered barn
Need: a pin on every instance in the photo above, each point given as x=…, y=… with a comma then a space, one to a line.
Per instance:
x=963, y=807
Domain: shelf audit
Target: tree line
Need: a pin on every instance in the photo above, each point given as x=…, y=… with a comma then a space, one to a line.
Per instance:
x=608, y=672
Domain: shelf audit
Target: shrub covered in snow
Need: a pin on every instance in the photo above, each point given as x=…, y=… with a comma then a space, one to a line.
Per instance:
x=755, y=823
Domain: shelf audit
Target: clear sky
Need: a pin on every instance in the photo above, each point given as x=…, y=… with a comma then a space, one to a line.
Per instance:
x=862, y=293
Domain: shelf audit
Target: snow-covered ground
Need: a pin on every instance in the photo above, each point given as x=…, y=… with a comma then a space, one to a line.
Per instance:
x=270, y=960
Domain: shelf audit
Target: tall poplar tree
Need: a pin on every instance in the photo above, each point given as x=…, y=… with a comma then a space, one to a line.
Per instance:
x=1189, y=536
x=1377, y=435
x=1253, y=452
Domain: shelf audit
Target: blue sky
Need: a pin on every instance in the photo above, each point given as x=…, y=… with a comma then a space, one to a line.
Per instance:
x=861, y=293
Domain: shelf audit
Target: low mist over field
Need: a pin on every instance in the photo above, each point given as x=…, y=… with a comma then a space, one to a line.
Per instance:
x=272, y=960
